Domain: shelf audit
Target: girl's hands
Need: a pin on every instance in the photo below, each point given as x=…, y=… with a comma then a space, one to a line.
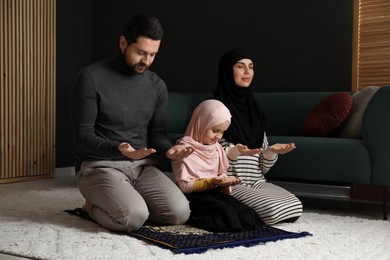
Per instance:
x=178, y=152
x=226, y=181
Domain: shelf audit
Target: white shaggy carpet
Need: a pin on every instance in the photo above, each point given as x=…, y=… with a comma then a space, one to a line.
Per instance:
x=33, y=224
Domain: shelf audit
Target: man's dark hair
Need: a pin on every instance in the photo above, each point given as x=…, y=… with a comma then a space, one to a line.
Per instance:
x=142, y=24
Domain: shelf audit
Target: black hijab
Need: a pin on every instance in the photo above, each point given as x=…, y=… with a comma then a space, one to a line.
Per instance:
x=248, y=121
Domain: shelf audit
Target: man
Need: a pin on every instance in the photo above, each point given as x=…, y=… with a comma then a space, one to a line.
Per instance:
x=118, y=111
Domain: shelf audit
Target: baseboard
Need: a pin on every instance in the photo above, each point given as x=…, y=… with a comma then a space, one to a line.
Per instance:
x=65, y=171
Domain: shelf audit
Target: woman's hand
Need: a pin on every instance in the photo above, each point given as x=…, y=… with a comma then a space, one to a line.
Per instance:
x=243, y=149
x=282, y=148
x=128, y=151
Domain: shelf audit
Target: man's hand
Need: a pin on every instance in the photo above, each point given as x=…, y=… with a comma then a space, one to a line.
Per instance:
x=128, y=151
x=243, y=149
x=282, y=148
x=178, y=152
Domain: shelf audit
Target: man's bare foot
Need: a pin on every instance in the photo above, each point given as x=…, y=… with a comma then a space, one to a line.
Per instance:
x=87, y=207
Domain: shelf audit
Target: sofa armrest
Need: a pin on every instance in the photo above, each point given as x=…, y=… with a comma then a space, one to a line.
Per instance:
x=376, y=135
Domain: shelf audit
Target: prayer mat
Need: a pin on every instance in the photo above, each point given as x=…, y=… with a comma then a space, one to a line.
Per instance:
x=189, y=240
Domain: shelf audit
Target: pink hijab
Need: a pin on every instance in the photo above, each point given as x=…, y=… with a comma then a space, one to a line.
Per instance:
x=207, y=161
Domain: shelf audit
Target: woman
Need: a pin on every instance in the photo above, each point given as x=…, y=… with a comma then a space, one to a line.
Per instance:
x=202, y=175
x=272, y=203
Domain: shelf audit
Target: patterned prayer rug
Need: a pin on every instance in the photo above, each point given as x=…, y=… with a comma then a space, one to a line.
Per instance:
x=190, y=240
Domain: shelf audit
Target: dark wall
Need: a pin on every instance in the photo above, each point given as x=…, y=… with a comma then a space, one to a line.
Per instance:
x=74, y=51
x=299, y=45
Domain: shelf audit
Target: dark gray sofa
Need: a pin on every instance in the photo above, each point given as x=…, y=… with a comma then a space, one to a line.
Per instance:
x=316, y=159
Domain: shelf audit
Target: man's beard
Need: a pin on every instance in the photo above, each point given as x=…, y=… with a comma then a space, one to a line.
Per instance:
x=137, y=68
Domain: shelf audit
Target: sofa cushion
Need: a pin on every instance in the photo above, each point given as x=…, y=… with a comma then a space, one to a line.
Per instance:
x=353, y=125
x=328, y=115
x=322, y=159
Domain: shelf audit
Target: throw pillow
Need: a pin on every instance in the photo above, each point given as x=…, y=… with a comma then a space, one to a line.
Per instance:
x=328, y=115
x=353, y=125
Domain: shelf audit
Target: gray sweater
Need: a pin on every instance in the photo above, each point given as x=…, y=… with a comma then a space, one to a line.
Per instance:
x=110, y=105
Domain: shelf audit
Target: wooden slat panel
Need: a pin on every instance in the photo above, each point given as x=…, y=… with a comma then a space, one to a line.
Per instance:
x=371, y=48
x=27, y=95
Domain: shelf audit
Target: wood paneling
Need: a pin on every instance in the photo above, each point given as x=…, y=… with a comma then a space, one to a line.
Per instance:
x=371, y=44
x=27, y=95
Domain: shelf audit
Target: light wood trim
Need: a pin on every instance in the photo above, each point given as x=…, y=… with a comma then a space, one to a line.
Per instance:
x=355, y=47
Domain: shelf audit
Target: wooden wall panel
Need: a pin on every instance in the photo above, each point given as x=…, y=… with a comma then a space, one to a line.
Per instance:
x=27, y=95
x=371, y=44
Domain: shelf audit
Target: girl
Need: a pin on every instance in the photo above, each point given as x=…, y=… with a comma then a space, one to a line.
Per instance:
x=202, y=175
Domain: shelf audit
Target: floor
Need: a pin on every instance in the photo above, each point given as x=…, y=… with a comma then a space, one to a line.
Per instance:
x=315, y=198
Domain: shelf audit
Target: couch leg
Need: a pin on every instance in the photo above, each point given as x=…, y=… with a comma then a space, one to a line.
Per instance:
x=385, y=202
